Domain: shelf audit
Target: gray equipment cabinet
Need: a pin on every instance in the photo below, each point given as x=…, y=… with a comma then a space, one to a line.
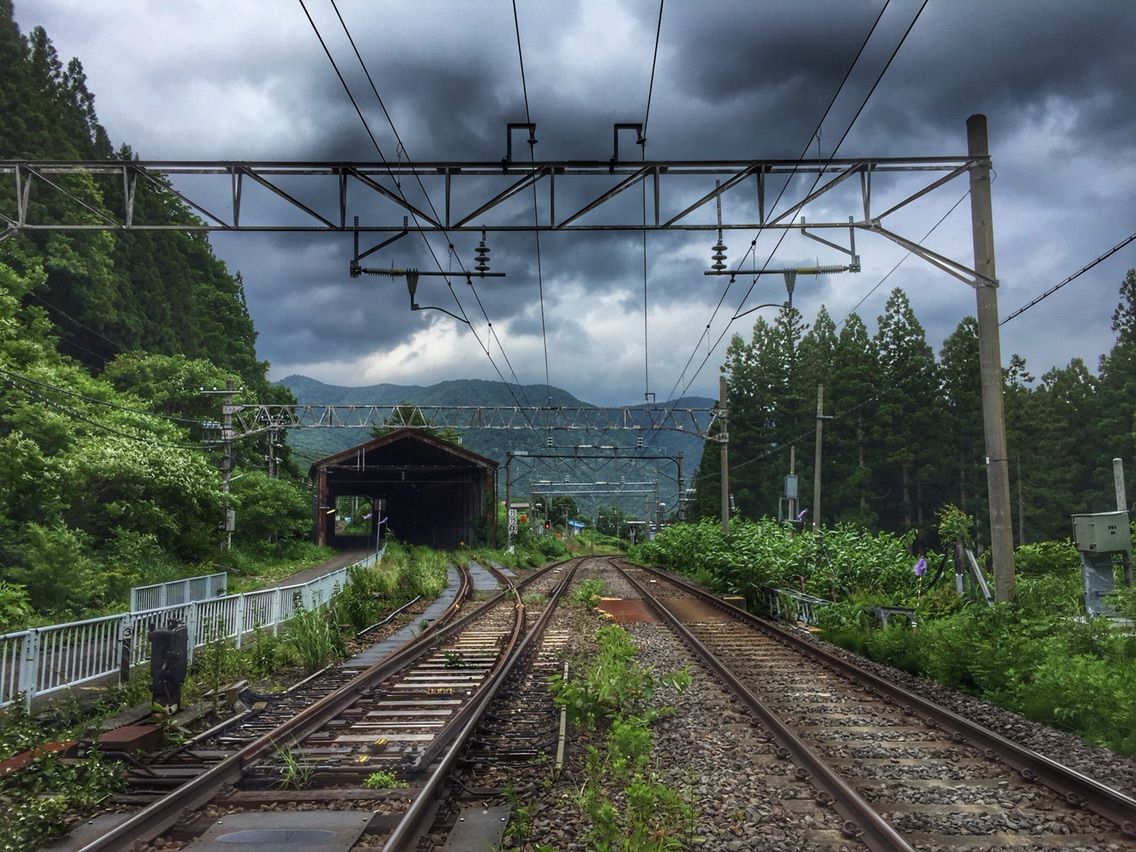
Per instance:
x=1098, y=538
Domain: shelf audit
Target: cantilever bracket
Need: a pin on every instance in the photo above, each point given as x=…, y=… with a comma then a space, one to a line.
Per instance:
x=355, y=269
x=854, y=264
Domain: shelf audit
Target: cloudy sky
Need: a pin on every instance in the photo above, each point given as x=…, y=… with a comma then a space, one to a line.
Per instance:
x=734, y=80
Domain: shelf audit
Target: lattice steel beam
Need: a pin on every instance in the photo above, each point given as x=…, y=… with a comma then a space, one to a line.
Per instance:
x=250, y=419
x=336, y=192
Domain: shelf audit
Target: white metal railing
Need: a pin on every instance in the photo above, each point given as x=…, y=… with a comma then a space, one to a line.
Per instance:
x=178, y=591
x=43, y=661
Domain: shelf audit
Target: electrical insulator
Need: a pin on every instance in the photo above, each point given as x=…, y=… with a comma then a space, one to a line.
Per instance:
x=719, y=256
x=482, y=256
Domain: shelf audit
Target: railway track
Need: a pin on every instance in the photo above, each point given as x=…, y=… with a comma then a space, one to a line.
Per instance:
x=399, y=715
x=901, y=772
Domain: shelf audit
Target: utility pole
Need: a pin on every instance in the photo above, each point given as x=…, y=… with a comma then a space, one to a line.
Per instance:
x=227, y=458
x=681, y=489
x=724, y=446
x=817, y=457
x=990, y=360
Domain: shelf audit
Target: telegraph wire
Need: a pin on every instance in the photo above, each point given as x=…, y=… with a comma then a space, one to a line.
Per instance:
x=1070, y=279
x=347, y=89
x=401, y=147
x=93, y=400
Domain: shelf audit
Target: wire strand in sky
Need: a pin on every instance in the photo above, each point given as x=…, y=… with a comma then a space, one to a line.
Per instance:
x=1070, y=279
x=831, y=157
x=753, y=243
x=366, y=126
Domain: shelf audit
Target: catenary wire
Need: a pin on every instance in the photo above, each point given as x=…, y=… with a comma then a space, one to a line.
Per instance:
x=536, y=211
x=1070, y=279
x=847, y=130
x=753, y=243
x=464, y=316
x=401, y=147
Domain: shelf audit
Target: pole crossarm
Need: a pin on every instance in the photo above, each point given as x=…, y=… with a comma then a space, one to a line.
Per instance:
x=251, y=419
x=323, y=196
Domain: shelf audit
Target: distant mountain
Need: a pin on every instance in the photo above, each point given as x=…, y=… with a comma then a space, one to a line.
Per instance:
x=308, y=445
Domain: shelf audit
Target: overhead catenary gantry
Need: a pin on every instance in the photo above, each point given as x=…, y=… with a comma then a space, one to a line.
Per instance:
x=323, y=196
x=254, y=418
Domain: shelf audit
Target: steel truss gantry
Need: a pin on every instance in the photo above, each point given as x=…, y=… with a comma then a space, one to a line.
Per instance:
x=254, y=418
x=329, y=196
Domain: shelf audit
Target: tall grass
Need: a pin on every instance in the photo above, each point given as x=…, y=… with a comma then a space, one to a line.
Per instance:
x=426, y=572
x=316, y=640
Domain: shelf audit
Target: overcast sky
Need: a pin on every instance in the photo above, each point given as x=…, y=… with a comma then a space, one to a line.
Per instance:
x=738, y=80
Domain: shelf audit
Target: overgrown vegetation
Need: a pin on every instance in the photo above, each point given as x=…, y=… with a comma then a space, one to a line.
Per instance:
x=1042, y=656
x=43, y=796
x=106, y=340
x=628, y=804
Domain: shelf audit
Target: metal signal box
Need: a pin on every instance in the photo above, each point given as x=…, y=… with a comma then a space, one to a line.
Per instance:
x=1105, y=532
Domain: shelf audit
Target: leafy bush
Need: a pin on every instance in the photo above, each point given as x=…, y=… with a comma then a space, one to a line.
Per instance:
x=842, y=560
x=1047, y=557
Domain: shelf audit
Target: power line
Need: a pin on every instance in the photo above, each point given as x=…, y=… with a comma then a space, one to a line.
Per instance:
x=113, y=430
x=1070, y=279
x=335, y=67
x=654, y=61
x=847, y=130
x=643, y=155
x=430, y=202
x=95, y=401
x=753, y=243
x=536, y=211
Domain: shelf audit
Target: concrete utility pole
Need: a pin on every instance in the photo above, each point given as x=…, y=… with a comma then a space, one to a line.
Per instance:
x=227, y=458
x=724, y=445
x=817, y=457
x=990, y=361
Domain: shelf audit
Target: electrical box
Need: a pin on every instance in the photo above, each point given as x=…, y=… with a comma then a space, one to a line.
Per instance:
x=1105, y=532
x=791, y=486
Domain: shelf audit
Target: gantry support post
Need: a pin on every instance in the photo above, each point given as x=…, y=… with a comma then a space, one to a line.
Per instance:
x=990, y=361
x=724, y=445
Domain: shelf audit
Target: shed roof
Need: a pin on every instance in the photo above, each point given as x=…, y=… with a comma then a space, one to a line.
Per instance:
x=403, y=439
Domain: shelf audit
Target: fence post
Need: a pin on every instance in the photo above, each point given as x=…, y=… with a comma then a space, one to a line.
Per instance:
x=240, y=619
x=29, y=666
x=276, y=611
x=191, y=630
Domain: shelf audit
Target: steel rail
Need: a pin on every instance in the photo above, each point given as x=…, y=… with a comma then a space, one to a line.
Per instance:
x=1075, y=787
x=161, y=814
x=863, y=822
x=414, y=822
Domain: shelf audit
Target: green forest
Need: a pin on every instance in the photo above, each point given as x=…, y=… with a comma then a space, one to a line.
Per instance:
x=107, y=476
x=906, y=435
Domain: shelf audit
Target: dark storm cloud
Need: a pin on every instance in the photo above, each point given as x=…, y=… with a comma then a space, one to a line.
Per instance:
x=735, y=80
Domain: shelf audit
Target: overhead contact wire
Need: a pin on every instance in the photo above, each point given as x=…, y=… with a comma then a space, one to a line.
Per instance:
x=378, y=149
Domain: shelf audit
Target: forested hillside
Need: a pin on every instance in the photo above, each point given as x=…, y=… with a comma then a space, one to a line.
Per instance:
x=906, y=435
x=106, y=339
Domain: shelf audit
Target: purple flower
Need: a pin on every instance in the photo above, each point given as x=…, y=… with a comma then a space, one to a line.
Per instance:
x=801, y=514
x=920, y=567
